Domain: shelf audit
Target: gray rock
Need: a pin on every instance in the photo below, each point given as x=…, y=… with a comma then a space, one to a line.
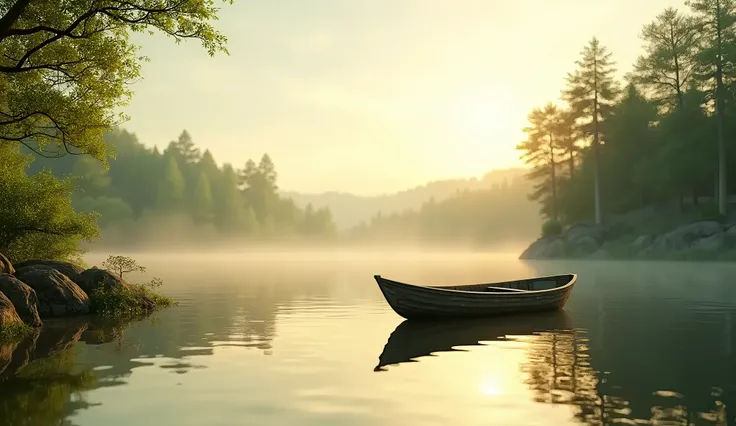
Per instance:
x=599, y=254
x=584, y=245
x=712, y=243
x=69, y=269
x=8, y=315
x=731, y=233
x=57, y=294
x=683, y=237
x=643, y=241
x=584, y=231
x=545, y=248
x=94, y=278
x=23, y=297
x=5, y=266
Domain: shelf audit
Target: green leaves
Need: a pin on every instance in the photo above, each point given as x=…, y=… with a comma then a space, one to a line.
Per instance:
x=38, y=220
x=67, y=65
x=668, y=65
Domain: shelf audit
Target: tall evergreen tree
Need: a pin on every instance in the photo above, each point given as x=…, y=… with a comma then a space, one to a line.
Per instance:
x=171, y=185
x=590, y=94
x=229, y=206
x=716, y=65
x=567, y=139
x=540, y=150
x=630, y=146
x=202, y=204
x=665, y=69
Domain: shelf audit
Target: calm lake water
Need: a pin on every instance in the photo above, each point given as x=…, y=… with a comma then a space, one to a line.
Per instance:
x=309, y=340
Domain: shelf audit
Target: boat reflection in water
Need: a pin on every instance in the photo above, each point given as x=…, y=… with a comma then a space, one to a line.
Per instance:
x=415, y=339
x=557, y=368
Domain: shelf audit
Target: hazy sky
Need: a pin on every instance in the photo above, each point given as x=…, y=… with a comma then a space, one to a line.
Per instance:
x=372, y=96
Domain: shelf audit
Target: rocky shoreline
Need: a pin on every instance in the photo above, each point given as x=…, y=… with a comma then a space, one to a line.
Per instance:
x=698, y=240
x=34, y=290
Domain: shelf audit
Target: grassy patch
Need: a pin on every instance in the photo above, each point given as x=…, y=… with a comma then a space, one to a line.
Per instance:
x=14, y=333
x=132, y=300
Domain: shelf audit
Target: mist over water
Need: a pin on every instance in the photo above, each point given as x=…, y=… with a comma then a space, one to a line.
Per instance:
x=286, y=339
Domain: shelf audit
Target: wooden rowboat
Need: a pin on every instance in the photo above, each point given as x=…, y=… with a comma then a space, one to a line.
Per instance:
x=477, y=300
x=413, y=340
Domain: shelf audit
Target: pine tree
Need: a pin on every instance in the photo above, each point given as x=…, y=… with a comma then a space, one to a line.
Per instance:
x=540, y=151
x=630, y=147
x=171, y=185
x=666, y=68
x=184, y=148
x=590, y=93
x=567, y=139
x=716, y=65
x=230, y=206
x=202, y=205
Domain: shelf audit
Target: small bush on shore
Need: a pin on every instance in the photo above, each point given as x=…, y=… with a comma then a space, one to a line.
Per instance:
x=127, y=299
x=551, y=228
x=14, y=333
x=133, y=299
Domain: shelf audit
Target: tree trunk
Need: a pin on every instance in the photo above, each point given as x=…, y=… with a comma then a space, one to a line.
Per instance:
x=695, y=195
x=554, y=179
x=596, y=148
x=571, y=163
x=720, y=112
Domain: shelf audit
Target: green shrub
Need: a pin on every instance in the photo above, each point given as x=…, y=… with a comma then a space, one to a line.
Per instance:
x=551, y=228
x=132, y=300
x=14, y=333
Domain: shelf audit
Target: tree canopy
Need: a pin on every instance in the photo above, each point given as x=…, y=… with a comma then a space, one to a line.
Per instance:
x=660, y=141
x=183, y=195
x=66, y=65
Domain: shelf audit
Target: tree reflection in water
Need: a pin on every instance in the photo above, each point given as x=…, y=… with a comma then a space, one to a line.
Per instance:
x=41, y=381
x=557, y=367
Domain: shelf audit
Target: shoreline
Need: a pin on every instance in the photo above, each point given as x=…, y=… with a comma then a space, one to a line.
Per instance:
x=34, y=291
x=695, y=241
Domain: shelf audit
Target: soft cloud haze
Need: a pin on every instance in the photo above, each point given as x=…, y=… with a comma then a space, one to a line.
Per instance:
x=375, y=96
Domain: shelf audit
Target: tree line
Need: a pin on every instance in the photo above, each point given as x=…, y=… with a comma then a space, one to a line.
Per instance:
x=144, y=190
x=661, y=136
x=478, y=217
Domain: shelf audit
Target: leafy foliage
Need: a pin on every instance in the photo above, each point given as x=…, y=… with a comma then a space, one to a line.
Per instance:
x=133, y=300
x=67, y=65
x=38, y=219
x=128, y=300
x=183, y=195
x=121, y=265
x=661, y=141
x=551, y=228
x=13, y=333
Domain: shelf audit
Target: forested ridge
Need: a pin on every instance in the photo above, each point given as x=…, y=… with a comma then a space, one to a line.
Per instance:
x=663, y=136
x=181, y=195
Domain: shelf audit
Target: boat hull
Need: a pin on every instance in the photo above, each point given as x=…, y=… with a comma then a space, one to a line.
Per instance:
x=422, y=302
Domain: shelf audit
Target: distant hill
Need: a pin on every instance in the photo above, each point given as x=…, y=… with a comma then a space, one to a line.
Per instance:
x=349, y=210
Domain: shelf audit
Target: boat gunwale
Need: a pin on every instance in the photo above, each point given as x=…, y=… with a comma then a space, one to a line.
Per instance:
x=488, y=293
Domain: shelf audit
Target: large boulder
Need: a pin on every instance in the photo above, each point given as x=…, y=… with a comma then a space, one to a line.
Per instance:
x=23, y=297
x=643, y=241
x=684, y=236
x=94, y=278
x=8, y=315
x=69, y=269
x=57, y=294
x=585, y=232
x=713, y=243
x=5, y=266
x=545, y=248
